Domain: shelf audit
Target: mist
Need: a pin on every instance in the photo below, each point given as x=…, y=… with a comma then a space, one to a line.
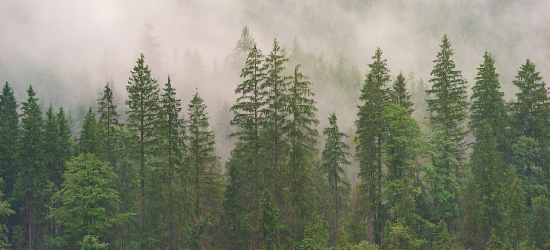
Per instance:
x=68, y=50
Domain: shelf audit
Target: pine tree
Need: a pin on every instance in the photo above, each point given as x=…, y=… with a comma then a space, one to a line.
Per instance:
x=108, y=118
x=442, y=239
x=243, y=189
x=269, y=225
x=333, y=167
x=276, y=115
x=203, y=163
x=540, y=223
x=302, y=137
x=531, y=114
x=448, y=113
x=399, y=94
x=370, y=139
x=245, y=43
x=90, y=136
x=172, y=133
x=488, y=184
x=488, y=103
x=5, y=211
x=9, y=139
x=526, y=155
x=143, y=101
x=66, y=145
x=31, y=178
x=515, y=207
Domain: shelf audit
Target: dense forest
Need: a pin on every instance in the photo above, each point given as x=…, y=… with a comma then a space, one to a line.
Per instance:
x=281, y=146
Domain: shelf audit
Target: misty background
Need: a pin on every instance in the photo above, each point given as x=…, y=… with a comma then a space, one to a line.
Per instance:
x=68, y=50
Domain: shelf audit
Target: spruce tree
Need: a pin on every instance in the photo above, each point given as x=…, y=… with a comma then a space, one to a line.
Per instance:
x=515, y=208
x=531, y=115
x=244, y=189
x=172, y=132
x=204, y=165
x=9, y=139
x=334, y=160
x=275, y=111
x=269, y=225
x=488, y=103
x=399, y=94
x=448, y=113
x=302, y=137
x=143, y=101
x=108, y=118
x=489, y=190
x=31, y=178
x=540, y=222
x=369, y=138
x=90, y=140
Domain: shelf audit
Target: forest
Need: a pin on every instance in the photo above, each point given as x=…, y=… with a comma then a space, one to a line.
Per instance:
x=278, y=147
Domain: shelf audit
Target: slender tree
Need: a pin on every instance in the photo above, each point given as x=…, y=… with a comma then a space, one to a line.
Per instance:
x=172, y=132
x=448, y=113
x=31, y=178
x=245, y=189
x=108, y=118
x=370, y=139
x=334, y=161
x=9, y=139
x=90, y=140
x=143, y=101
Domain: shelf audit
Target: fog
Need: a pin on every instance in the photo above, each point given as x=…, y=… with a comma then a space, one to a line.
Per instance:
x=68, y=50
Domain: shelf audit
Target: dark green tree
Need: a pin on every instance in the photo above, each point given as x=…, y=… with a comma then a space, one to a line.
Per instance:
x=526, y=155
x=334, y=160
x=204, y=165
x=302, y=137
x=540, y=222
x=531, y=115
x=172, y=134
x=515, y=207
x=243, y=189
x=269, y=224
x=9, y=139
x=143, y=103
x=31, y=179
x=108, y=118
x=442, y=239
x=91, y=134
x=369, y=138
x=399, y=94
x=448, y=114
x=276, y=115
x=487, y=168
x=488, y=103
x=5, y=211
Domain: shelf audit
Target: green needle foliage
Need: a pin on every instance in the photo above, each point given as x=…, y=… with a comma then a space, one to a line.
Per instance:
x=399, y=94
x=369, y=139
x=334, y=160
x=108, y=118
x=9, y=138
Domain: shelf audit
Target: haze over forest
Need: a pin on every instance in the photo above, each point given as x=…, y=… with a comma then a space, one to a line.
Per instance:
x=69, y=50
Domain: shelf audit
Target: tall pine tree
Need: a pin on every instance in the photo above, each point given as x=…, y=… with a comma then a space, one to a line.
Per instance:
x=108, y=118
x=448, y=113
x=369, y=139
x=143, y=101
x=334, y=161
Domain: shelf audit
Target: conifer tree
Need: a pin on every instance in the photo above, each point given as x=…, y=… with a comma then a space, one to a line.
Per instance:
x=442, y=239
x=108, y=118
x=448, y=113
x=333, y=167
x=370, y=139
x=515, y=207
x=66, y=144
x=244, y=189
x=540, y=222
x=206, y=178
x=9, y=138
x=245, y=42
x=488, y=184
x=269, y=224
x=531, y=115
x=90, y=136
x=302, y=137
x=488, y=103
x=399, y=94
x=275, y=111
x=143, y=101
x=172, y=132
x=31, y=178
